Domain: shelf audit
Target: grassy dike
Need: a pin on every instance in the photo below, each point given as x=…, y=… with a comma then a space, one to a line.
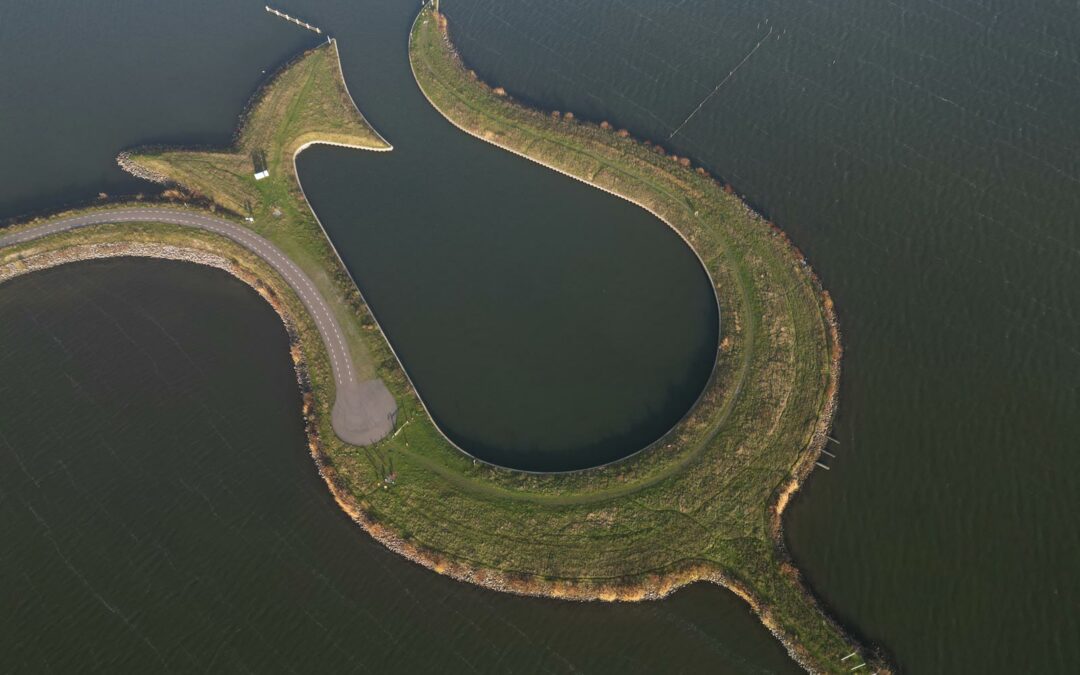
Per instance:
x=706, y=501
x=305, y=102
x=173, y=242
x=701, y=504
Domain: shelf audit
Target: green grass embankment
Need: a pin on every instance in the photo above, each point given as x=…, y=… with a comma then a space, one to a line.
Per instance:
x=705, y=502
x=178, y=242
x=702, y=504
x=305, y=102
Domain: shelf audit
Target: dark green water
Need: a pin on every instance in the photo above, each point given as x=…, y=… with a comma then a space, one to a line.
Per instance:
x=159, y=512
x=547, y=325
x=923, y=154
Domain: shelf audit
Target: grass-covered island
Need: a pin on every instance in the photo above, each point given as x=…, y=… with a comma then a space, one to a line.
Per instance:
x=706, y=501
x=702, y=503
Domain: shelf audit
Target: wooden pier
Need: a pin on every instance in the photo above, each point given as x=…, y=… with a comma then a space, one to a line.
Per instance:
x=292, y=19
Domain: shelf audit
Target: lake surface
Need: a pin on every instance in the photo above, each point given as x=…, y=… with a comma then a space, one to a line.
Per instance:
x=923, y=154
x=547, y=325
x=159, y=513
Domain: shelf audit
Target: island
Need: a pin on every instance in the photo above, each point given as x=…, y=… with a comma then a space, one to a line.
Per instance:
x=703, y=503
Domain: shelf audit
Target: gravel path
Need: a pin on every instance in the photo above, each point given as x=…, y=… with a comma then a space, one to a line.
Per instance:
x=364, y=412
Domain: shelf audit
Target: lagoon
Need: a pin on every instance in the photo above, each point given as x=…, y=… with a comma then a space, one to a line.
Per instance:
x=944, y=228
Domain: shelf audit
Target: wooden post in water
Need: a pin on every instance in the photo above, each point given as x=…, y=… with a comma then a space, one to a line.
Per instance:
x=293, y=19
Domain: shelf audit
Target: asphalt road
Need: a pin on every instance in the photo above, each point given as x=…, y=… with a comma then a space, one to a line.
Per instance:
x=364, y=411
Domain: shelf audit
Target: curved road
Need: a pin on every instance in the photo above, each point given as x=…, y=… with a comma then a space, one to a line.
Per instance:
x=363, y=412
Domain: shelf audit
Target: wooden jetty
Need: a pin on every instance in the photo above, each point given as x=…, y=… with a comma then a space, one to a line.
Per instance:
x=292, y=19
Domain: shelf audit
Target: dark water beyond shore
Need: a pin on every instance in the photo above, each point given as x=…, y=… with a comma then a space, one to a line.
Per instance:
x=549, y=326
x=923, y=154
x=160, y=514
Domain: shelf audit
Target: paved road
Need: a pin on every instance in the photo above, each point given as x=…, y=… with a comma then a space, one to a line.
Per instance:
x=364, y=411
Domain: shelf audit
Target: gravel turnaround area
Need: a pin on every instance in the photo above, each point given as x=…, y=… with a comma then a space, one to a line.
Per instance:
x=364, y=412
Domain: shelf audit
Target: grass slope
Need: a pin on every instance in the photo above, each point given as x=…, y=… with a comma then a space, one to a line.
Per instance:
x=702, y=504
x=706, y=501
x=306, y=102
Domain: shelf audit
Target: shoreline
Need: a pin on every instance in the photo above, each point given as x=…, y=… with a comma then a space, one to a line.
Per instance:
x=677, y=579
x=473, y=545
x=659, y=440
x=363, y=410
x=565, y=590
